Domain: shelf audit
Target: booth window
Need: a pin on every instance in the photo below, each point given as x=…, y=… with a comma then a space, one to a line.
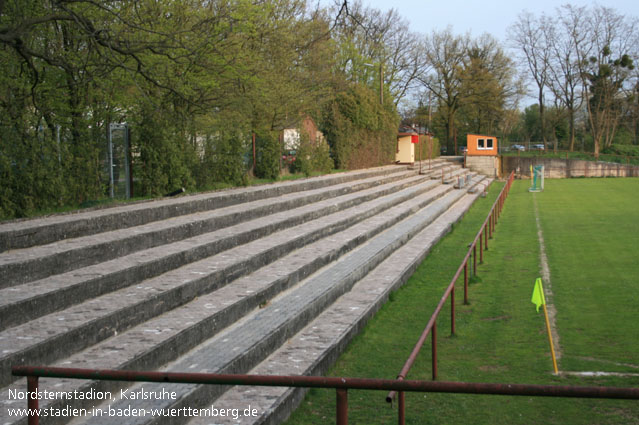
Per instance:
x=484, y=144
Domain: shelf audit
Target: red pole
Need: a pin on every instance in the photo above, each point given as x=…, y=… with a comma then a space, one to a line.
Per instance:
x=475, y=260
x=342, y=406
x=433, y=333
x=492, y=221
x=466, y=282
x=32, y=400
x=481, y=247
x=452, y=311
x=485, y=238
x=402, y=409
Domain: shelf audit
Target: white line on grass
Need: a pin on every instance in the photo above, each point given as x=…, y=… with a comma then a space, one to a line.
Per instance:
x=595, y=374
x=545, y=275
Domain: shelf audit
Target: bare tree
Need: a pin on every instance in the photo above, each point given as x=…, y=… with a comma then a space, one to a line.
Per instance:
x=529, y=35
x=566, y=38
x=369, y=36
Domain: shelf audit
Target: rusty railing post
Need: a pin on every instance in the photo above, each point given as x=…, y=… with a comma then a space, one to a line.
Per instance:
x=466, y=283
x=492, y=223
x=32, y=399
x=342, y=406
x=475, y=259
x=433, y=334
x=481, y=248
x=452, y=311
x=485, y=237
x=401, y=409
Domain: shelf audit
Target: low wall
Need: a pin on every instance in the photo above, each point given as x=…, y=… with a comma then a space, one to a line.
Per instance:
x=564, y=168
x=486, y=165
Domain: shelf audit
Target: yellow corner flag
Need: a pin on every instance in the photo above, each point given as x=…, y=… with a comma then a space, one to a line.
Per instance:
x=539, y=300
x=538, y=294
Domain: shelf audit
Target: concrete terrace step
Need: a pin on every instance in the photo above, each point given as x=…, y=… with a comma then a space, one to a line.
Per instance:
x=314, y=349
x=25, y=233
x=28, y=264
x=162, y=339
x=98, y=318
x=157, y=340
x=452, y=177
x=246, y=343
x=34, y=299
x=224, y=300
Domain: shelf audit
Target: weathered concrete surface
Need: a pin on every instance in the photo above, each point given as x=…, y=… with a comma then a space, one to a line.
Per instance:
x=24, y=233
x=223, y=299
x=316, y=347
x=44, y=296
x=486, y=165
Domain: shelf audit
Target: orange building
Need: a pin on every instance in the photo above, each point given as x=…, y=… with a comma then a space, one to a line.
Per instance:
x=481, y=145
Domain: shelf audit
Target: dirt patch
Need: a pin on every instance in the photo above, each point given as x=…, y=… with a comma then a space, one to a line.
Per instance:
x=491, y=319
x=493, y=368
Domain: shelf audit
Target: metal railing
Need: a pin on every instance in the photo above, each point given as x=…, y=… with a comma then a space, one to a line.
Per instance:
x=341, y=385
x=484, y=233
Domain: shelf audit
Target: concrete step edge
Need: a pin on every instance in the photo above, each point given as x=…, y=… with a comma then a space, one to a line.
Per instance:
x=24, y=233
x=116, y=274
x=34, y=263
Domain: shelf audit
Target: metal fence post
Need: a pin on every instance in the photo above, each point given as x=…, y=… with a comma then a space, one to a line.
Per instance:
x=485, y=237
x=466, y=282
x=342, y=406
x=452, y=311
x=433, y=334
x=32, y=399
x=401, y=409
x=475, y=259
x=481, y=248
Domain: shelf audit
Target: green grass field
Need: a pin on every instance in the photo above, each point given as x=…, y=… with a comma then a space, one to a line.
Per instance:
x=591, y=231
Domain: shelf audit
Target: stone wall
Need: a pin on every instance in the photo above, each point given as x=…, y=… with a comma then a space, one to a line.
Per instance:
x=565, y=168
x=486, y=165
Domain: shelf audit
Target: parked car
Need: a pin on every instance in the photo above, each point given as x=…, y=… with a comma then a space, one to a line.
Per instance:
x=518, y=147
x=538, y=147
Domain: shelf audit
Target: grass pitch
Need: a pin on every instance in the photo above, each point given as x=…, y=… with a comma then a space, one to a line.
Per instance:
x=591, y=232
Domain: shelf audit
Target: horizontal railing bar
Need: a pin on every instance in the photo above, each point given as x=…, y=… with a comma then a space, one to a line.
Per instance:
x=331, y=382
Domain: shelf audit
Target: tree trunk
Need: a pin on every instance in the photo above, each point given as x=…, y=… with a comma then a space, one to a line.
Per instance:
x=541, y=115
x=571, y=118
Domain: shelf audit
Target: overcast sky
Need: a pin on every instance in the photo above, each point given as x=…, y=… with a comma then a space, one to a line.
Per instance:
x=478, y=17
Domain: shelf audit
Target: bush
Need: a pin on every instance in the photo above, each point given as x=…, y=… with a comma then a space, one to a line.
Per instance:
x=167, y=159
x=223, y=159
x=313, y=157
x=267, y=154
x=624, y=150
x=360, y=132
